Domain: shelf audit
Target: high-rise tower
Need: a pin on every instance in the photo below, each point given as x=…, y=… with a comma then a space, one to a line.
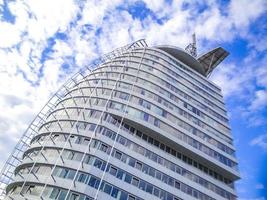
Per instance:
x=142, y=123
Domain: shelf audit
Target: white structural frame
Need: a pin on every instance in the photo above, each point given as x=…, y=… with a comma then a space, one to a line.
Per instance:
x=16, y=156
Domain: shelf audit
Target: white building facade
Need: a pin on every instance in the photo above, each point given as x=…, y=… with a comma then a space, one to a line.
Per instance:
x=144, y=124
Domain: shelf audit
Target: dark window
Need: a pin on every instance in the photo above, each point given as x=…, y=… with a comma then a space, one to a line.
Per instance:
x=103, y=166
x=149, y=188
x=139, y=134
x=123, y=195
x=168, y=149
x=156, y=143
x=144, y=137
x=114, y=192
x=162, y=146
x=142, y=185
x=120, y=174
x=173, y=152
x=98, y=163
x=177, y=185
x=118, y=155
x=82, y=178
x=107, y=188
x=131, y=162
x=156, y=192
x=146, y=116
x=92, y=181
x=128, y=178
x=169, y=196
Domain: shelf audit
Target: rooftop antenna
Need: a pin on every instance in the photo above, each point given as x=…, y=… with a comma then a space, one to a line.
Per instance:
x=192, y=47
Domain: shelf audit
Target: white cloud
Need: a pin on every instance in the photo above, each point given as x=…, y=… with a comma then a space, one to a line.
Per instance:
x=8, y=40
x=243, y=12
x=260, y=100
x=260, y=141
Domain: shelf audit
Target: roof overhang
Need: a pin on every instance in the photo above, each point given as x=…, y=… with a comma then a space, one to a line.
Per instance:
x=213, y=58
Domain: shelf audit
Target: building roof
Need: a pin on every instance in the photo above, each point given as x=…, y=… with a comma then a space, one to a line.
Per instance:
x=204, y=64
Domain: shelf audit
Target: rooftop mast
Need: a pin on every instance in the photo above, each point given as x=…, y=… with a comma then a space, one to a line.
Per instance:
x=192, y=47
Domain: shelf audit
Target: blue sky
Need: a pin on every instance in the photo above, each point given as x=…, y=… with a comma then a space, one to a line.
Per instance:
x=43, y=42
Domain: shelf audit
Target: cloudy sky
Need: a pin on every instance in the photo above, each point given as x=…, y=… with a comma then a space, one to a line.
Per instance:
x=42, y=42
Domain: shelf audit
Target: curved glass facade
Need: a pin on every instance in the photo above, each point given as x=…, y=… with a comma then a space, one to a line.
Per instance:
x=141, y=125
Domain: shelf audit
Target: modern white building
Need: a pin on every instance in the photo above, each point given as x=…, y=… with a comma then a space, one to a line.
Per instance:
x=144, y=123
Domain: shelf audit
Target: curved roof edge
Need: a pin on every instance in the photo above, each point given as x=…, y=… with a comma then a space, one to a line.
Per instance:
x=204, y=64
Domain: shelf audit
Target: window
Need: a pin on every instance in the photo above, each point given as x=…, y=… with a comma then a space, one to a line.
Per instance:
x=131, y=197
x=139, y=134
x=114, y=192
x=71, y=174
x=92, y=181
x=156, y=192
x=120, y=174
x=164, y=113
x=152, y=172
x=138, y=165
x=149, y=188
x=128, y=178
x=142, y=185
x=177, y=185
x=104, y=147
x=145, y=169
x=118, y=155
x=123, y=195
x=144, y=137
x=74, y=196
x=135, y=181
x=168, y=149
x=169, y=196
x=113, y=171
x=107, y=188
x=82, y=177
x=54, y=193
x=150, y=140
x=158, y=175
x=146, y=116
x=131, y=162
x=156, y=122
x=63, y=173
x=86, y=141
x=62, y=194
x=98, y=163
